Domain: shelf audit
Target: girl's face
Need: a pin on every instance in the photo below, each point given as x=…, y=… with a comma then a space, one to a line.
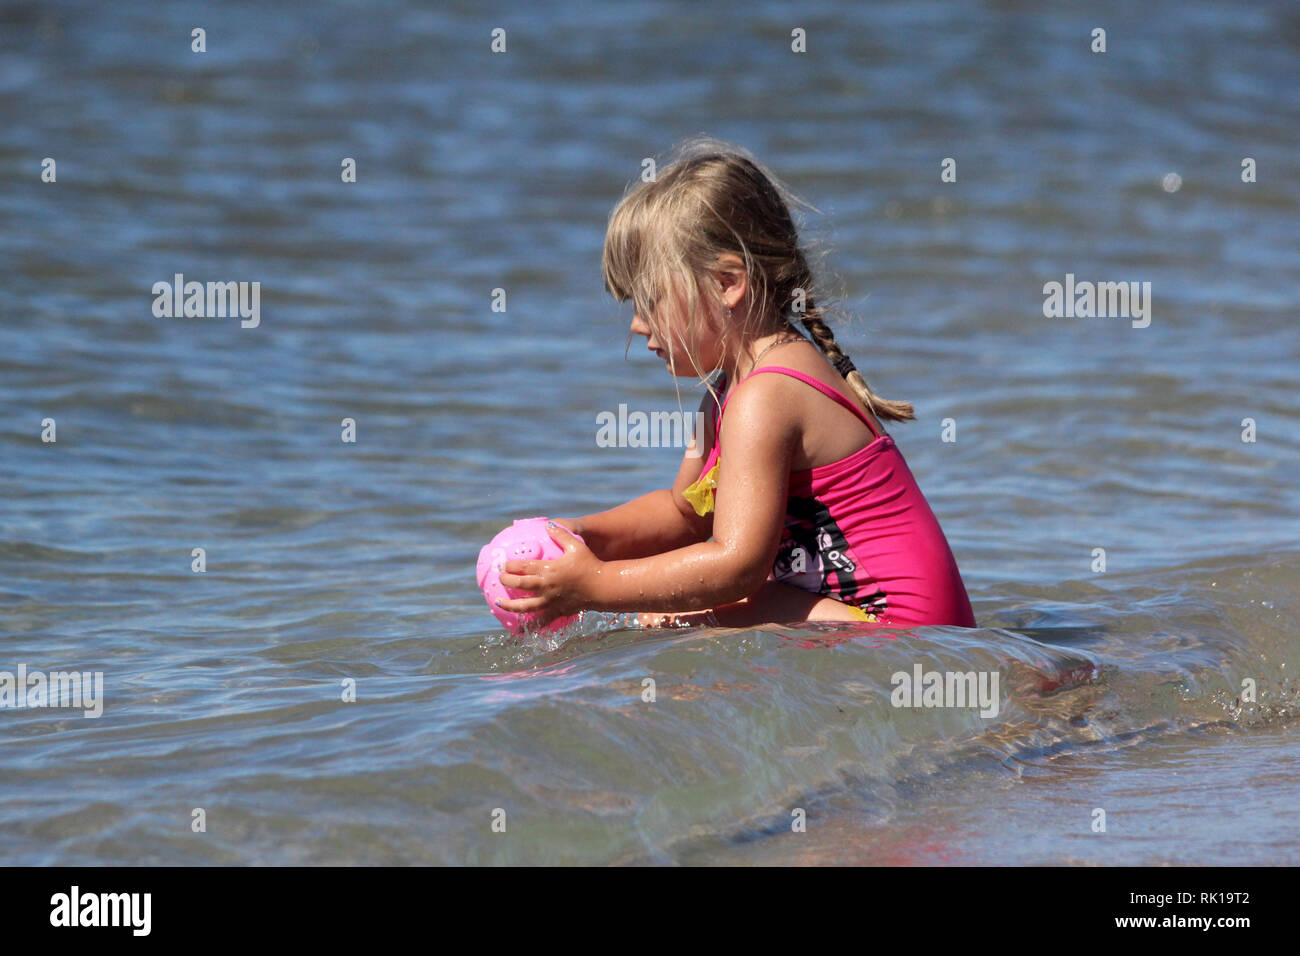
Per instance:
x=678, y=346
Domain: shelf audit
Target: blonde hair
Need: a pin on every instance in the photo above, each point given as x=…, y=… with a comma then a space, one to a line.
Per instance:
x=665, y=236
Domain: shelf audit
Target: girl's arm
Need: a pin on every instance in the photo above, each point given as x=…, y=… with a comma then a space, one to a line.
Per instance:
x=651, y=524
x=659, y=521
x=750, y=505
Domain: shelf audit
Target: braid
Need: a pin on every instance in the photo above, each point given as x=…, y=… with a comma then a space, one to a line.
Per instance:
x=821, y=334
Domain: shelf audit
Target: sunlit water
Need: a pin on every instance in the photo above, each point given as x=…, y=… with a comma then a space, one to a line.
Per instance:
x=327, y=561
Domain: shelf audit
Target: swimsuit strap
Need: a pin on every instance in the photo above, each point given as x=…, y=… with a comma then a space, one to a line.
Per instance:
x=803, y=377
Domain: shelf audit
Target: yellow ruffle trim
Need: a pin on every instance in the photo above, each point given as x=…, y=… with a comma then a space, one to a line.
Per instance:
x=700, y=494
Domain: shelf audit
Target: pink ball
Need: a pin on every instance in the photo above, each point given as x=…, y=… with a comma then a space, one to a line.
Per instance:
x=525, y=540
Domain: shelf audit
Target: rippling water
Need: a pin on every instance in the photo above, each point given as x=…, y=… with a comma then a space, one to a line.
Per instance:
x=329, y=561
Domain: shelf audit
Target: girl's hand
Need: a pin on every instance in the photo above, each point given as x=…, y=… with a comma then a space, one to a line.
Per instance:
x=572, y=524
x=561, y=586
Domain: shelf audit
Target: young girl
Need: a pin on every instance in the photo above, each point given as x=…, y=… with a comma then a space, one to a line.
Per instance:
x=803, y=509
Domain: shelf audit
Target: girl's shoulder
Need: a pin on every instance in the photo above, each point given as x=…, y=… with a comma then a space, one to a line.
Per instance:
x=826, y=428
x=791, y=377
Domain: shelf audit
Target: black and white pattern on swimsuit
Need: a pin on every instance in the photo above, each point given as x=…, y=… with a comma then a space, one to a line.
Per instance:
x=814, y=555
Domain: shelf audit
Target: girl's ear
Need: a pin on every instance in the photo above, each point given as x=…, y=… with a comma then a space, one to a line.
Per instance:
x=730, y=275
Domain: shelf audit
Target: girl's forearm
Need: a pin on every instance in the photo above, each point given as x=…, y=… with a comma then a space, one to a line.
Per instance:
x=651, y=524
x=692, y=578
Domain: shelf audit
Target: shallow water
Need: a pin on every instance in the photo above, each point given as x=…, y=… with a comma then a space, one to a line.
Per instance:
x=328, y=561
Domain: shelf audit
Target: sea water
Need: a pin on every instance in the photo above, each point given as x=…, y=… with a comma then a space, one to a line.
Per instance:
x=263, y=538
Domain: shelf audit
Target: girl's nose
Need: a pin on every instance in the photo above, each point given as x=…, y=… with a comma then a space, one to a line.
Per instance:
x=639, y=325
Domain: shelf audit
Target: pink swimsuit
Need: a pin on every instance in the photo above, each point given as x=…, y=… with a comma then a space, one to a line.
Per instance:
x=860, y=531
